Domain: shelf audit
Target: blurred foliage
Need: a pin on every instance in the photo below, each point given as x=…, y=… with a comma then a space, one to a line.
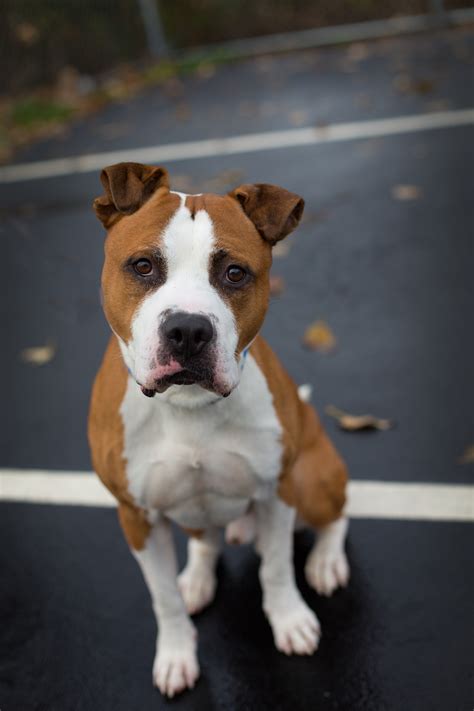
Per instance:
x=67, y=58
x=30, y=111
x=219, y=20
x=40, y=37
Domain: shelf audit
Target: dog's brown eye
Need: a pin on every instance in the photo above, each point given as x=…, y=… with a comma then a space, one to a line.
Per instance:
x=143, y=267
x=235, y=274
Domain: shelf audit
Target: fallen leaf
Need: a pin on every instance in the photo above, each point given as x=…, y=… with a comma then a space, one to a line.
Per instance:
x=277, y=285
x=38, y=355
x=223, y=180
x=406, y=192
x=248, y=109
x=206, y=70
x=183, y=183
x=353, y=423
x=282, y=248
x=357, y=52
x=110, y=131
x=405, y=84
x=364, y=101
x=298, y=118
x=468, y=455
x=423, y=86
x=182, y=112
x=26, y=33
x=319, y=337
x=439, y=105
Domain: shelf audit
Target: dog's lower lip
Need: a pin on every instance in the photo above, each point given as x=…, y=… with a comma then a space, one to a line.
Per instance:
x=183, y=377
x=148, y=392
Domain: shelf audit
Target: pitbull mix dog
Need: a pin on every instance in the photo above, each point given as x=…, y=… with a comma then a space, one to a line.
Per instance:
x=194, y=420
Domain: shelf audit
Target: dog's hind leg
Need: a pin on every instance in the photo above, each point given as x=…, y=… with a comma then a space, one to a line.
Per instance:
x=327, y=568
x=197, y=582
x=242, y=530
x=316, y=487
x=295, y=627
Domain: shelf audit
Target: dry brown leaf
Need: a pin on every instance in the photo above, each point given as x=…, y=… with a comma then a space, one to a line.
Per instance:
x=364, y=101
x=468, y=455
x=277, y=285
x=357, y=52
x=38, y=355
x=182, y=112
x=26, y=33
x=406, y=192
x=405, y=84
x=224, y=180
x=184, y=183
x=319, y=337
x=111, y=131
x=353, y=423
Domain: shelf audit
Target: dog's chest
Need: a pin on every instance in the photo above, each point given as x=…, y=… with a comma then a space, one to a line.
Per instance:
x=203, y=466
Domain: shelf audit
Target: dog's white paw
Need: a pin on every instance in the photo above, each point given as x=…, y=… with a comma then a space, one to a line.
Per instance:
x=197, y=584
x=327, y=570
x=242, y=530
x=176, y=666
x=296, y=631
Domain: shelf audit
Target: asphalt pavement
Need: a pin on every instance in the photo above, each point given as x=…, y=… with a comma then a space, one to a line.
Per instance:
x=393, y=279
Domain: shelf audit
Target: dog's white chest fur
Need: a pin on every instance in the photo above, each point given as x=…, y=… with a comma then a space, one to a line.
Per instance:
x=202, y=466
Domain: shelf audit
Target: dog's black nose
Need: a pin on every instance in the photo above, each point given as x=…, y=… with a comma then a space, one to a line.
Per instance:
x=187, y=334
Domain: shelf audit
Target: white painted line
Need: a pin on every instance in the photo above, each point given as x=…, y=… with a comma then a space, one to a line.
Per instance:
x=36, y=486
x=247, y=143
x=367, y=499
x=416, y=501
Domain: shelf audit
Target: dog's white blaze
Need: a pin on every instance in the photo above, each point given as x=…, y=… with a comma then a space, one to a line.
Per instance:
x=187, y=244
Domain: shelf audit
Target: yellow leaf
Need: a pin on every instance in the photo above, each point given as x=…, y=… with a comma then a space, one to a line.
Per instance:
x=319, y=337
x=406, y=192
x=38, y=355
x=277, y=285
x=353, y=423
x=467, y=456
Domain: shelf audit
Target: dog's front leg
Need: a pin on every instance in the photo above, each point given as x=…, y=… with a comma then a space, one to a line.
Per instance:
x=198, y=580
x=175, y=667
x=295, y=627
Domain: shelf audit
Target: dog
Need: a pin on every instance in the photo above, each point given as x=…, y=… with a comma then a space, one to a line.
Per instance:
x=194, y=420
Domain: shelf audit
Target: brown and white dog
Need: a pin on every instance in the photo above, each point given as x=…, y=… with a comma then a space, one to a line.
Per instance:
x=227, y=441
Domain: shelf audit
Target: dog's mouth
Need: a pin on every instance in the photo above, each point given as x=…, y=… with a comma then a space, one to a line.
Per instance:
x=183, y=377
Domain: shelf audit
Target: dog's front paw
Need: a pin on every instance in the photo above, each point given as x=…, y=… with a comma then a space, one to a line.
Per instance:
x=176, y=667
x=198, y=586
x=295, y=630
x=327, y=570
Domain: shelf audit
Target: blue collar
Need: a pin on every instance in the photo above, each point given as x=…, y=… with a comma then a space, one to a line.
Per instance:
x=243, y=357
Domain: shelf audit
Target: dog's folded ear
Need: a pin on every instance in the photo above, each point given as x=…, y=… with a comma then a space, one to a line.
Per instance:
x=127, y=187
x=274, y=211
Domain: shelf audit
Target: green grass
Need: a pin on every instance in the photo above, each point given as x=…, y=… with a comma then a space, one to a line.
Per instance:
x=31, y=112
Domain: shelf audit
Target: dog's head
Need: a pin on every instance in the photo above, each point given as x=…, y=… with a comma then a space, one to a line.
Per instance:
x=186, y=277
